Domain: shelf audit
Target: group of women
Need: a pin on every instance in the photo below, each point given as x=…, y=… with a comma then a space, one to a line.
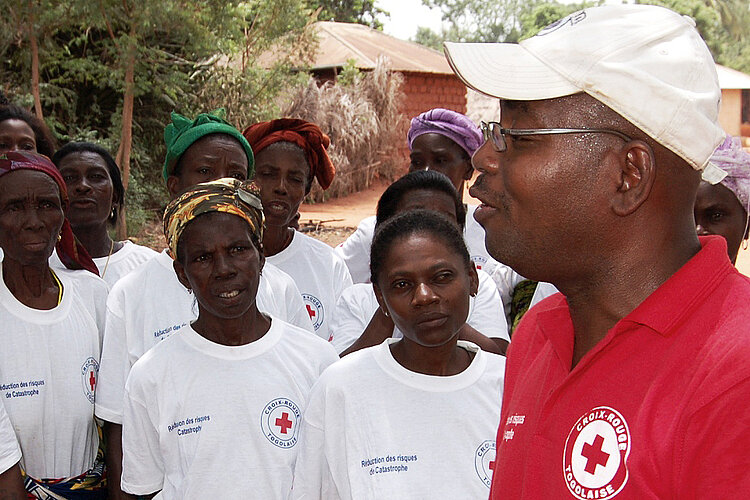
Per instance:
x=212, y=366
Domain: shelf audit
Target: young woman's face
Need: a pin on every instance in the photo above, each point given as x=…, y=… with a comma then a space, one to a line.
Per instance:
x=16, y=135
x=220, y=263
x=439, y=153
x=718, y=211
x=90, y=188
x=425, y=286
x=31, y=216
x=282, y=176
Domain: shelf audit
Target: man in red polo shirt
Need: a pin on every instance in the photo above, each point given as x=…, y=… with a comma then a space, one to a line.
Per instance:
x=635, y=382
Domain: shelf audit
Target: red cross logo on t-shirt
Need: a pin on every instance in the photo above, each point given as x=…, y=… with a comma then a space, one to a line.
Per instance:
x=594, y=454
x=310, y=311
x=92, y=380
x=284, y=423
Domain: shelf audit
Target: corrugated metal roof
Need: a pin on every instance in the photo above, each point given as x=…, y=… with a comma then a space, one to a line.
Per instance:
x=732, y=79
x=339, y=42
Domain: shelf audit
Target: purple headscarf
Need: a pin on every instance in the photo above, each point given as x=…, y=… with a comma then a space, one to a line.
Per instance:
x=735, y=161
x=455, y=126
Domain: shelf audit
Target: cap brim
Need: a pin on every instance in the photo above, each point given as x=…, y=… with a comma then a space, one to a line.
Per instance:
x=505, y=71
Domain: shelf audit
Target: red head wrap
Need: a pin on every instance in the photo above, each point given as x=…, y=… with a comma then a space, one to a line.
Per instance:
x=306, y=135
x=69, y=249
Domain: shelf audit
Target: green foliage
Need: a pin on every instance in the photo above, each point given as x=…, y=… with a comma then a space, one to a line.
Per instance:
x=545, y=14
x=349, y=74
x=350, y=11
x=190, y=57
x=479, y=20
x=427, y=37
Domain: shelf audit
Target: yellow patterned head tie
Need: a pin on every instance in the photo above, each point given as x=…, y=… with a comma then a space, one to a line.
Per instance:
x=227, y=195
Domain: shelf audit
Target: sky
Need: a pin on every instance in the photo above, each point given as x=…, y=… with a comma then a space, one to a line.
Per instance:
x=406, y=16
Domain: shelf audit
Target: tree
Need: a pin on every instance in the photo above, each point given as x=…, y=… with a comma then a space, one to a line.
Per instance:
x=110, y=72
x=350, y=11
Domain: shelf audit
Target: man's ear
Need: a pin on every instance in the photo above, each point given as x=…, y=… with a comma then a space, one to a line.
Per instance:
x=634, y=177
x=179, y=270
x=381, y=300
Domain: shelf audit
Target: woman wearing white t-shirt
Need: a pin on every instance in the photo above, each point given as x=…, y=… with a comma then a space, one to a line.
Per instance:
x=414, y=417
x=214, y=411
x=52, y=322
x=359, y=323
x=289, y=154
x=97, y=197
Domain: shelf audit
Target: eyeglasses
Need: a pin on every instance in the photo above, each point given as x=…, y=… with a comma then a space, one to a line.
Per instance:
x=495, y=132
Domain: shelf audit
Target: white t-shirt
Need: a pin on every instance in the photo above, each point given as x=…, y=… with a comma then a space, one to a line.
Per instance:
x=121, y=262
x=49, y=364
x=204, y=420
x=150, y=304
x=319, y=274
x=358, y=303
x=10, y=452
x=355, y=252
x=543, y=290
x=375, y=430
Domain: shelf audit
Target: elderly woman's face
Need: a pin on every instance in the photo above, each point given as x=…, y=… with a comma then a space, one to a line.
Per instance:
x=211, y=157
x=219, y=262
x=718, y=211
x=90, y=189
x=31, y=215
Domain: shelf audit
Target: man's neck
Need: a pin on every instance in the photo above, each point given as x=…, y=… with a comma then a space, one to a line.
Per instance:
x=600, y=301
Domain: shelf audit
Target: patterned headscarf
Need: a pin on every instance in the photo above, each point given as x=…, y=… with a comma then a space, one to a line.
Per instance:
x=455, y=126
x=183, y=132
x=227, y=195
x=304, y=134
x=71, y=252
x=735, y=161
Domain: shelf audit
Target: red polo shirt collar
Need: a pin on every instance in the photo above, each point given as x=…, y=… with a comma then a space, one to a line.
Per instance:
x=657, y=312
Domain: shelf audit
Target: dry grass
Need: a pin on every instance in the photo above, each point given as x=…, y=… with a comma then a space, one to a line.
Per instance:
x=360, y=119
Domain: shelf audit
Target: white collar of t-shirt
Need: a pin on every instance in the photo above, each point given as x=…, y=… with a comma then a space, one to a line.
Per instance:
x=240, y=352
x=431, y=383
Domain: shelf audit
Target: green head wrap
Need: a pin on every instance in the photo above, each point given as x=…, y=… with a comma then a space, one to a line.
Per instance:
x=182, y=133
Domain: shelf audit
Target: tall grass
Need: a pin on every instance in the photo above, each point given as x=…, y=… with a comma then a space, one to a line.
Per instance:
x=363, y=121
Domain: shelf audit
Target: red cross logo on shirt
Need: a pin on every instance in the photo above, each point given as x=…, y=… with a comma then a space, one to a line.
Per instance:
x=310, y=311
x=92, y=380
x=594, y=454
x=492, y=465
x=284, y=423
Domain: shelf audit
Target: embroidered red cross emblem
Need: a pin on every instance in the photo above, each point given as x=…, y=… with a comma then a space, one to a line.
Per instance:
x=310, y=311
x=92, y=380
x=284, y=423
x=594, y=454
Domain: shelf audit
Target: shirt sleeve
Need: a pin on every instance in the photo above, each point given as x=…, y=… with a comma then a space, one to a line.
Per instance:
x=313, y=479
x=506, y=280
x=714, y=460
x=355, y=251
x=115, y=364
x=349, y=321
x=10, y=452
x=486, y=314
x=142, y=463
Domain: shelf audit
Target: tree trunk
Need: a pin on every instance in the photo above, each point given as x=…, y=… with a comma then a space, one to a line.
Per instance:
x=34, y=65
x=126, y=135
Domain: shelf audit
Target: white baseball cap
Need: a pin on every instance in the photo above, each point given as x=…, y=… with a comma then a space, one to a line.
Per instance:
x=647, y=63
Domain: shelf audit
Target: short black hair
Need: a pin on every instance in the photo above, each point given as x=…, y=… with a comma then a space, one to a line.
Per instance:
x=414, y=181
x=413, y=222
x=114, y=171
x=45, y=141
